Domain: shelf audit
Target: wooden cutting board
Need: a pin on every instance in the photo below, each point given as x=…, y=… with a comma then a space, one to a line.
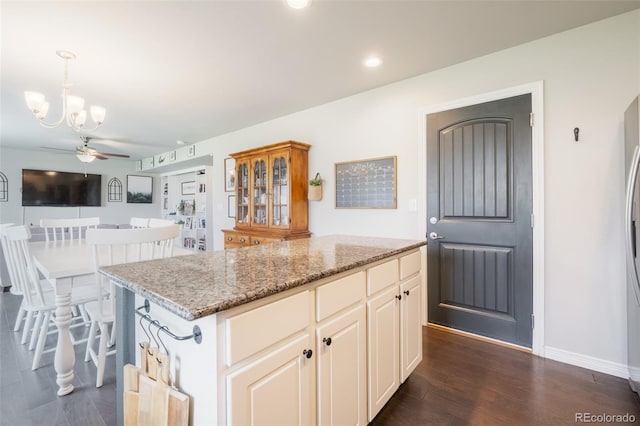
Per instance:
x=149, y=402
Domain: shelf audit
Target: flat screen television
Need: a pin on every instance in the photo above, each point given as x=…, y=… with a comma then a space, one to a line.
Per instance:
x=62, y=189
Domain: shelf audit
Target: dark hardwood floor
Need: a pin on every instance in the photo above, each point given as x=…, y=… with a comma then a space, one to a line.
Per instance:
x=461, y=381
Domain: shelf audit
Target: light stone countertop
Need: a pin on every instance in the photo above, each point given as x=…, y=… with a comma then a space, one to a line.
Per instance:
x=194, y=286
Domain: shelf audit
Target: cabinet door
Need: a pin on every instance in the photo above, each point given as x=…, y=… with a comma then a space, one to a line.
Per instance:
x=342, y=392
x=242, y=193
x=410, y=326
x=275, y=389
x=280, y=189
x=259, y=200
x=384, y=341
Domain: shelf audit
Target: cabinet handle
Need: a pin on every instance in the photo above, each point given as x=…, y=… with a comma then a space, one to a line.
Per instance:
x=229, y=238
x=308, y=353
x=327, y=341
x=399, y=297
x=242, y=240
x=256, y=242
x=406, y=292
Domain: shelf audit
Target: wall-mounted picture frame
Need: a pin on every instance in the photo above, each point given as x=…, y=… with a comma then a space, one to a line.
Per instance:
x=172, y=156
x=139, y=189
x=191, y=151
x=147, y=163
x=367, y=184
x=189, y=188
x=231, y=206
x=229, y=174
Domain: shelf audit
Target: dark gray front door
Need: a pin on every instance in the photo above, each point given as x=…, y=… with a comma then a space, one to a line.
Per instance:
x=479, y=210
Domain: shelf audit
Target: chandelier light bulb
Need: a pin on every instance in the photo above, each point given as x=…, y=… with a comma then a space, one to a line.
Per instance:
x=97, y=114
x=81, y=118
x=42, y=113
x=34, y=101
x=75, y=104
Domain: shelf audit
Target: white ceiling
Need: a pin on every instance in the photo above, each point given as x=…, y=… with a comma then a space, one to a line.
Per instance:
x=185, y=70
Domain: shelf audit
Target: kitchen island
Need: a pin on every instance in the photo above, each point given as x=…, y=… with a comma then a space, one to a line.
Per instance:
x=320, y=330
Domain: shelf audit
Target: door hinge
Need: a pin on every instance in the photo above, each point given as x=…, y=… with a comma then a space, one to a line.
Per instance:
x=530, y=119
x=533, y=321
x=533, y=218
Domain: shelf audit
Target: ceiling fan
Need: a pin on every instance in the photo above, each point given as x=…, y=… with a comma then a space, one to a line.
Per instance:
x=86, y=153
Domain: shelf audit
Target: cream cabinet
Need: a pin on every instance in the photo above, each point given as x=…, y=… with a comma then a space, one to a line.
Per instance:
x=275, y=389
x=410, y=327
x=342, y=392
x=331, y=354
x=394, y=326
x=341, y=341
x=384, y=348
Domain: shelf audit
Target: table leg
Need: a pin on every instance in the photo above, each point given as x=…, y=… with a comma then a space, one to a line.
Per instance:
x=65, y=357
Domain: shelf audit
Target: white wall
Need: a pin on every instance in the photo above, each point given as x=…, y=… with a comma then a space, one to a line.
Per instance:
x=590, y=75
x=12, y=161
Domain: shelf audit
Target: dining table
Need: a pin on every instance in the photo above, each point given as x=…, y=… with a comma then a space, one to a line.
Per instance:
x=65, y=264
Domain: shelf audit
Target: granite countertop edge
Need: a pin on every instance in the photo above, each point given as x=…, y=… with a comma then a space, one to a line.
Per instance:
x=238, y=300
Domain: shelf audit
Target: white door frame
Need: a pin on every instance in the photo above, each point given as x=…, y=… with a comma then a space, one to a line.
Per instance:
x=537, y=165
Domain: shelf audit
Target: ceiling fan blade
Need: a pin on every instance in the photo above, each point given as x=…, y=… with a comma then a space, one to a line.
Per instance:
x=99, y=156
x=58, y=149
x=113, y=155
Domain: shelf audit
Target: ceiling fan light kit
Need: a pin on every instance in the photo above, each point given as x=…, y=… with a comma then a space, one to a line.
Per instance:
x=73, y=111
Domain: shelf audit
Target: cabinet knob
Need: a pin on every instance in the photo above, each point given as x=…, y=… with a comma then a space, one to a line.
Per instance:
x=327, y=341
x=308, y=353
x=229, y=238
x=256, y=242
x=406, y=292
x=242, y=240
x=399, y=297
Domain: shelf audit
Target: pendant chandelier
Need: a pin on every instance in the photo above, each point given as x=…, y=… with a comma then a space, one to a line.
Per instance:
x=73, y=111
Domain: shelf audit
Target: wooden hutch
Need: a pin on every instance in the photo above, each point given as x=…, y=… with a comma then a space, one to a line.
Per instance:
x=271, y=195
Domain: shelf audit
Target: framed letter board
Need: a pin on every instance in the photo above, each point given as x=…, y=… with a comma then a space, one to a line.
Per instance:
x=366, y=184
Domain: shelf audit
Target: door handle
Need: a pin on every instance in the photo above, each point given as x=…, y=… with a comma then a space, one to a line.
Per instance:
x=435, y=236
x=628, y=219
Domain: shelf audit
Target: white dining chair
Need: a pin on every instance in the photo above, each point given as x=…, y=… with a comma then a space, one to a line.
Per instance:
x=38, y=298
x=157, y=223
x=111, y=247
x=55, y=229
x=16, y=288
x=139, y=222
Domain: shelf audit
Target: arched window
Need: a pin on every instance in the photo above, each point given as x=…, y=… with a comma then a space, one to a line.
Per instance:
x=115, y=190
x=4, y=188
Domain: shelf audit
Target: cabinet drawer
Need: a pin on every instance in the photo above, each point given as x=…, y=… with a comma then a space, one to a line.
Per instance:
x=339, y=294
x=256, y=241
x=252, y=331
x=409, y=265
x=382, y=276
x=234, y=239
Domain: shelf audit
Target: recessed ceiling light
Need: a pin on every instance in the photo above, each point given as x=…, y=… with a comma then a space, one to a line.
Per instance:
x=298, y=4
x=180, y=142
x=372, y=62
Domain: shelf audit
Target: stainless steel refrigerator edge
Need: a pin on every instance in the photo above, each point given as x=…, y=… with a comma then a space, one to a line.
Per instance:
x=632, y=238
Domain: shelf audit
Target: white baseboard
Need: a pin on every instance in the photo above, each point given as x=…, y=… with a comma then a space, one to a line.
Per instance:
x=588, y=362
